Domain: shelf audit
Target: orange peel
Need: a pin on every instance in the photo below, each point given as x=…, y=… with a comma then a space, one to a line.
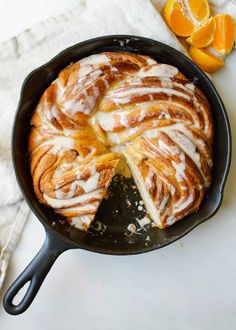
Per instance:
x=207, y=61
x=184, y=16
x=177, y=19
x=224, y=34
x=203, y=35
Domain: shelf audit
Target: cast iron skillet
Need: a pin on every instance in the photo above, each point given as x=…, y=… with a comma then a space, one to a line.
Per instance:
x=113, y=238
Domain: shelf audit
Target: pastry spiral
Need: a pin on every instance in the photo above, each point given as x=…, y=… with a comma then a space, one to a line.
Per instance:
x=111, y=106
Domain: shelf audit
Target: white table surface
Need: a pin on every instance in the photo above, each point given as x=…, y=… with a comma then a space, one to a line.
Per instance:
x=190, y=284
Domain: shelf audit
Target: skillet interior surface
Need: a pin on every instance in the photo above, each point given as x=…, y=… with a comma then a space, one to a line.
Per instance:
x=109, y=232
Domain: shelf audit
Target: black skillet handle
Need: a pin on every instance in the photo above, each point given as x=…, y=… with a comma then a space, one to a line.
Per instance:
x=35, y=273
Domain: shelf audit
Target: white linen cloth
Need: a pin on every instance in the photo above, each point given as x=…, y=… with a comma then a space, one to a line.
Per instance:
x=25, y=52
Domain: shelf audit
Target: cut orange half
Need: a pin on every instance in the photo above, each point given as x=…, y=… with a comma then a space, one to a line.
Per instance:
x=177, y=18
x=205, y=59
x=203, y=35
x=225, y=34
x=183, y=16
x=198, y=10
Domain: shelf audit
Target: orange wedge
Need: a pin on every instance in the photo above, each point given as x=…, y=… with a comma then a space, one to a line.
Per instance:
x=177, y=18
x=198, y=10
x=205, y=59
x=203, y=35
x=225, y=34
x=183, y=16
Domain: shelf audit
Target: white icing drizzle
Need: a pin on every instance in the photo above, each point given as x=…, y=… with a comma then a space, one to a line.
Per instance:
x=84, y=70
x=169, y=150
x=190, y=86
x=54, y=111
x=76, y=106
x=163, y=203
x=164, y=114
x=95, y=59
x=142, y=115
x=59, y=194
x=61, y=169
x=180, y=168
x=170, y=186
x=166, y=83
x=116, y=138
x=117, y=148
x=123, y=96
x=150, y=61
x=81, y=222
x=58, y=203
x=48, y=113
x=59, y=143
x=171, y=220
x=190, y=149
x=87, y=74
x=109, y=120
x=172, y=189
x=152, y=133
x=93, y=170
x=68, y=132
x=183, y=203
x=105, y=119
x=186, y=144
x=60, y=89
x=84, y=105
x=158, y=70
x=89, y=185
x=88, y=208
x=124, y=120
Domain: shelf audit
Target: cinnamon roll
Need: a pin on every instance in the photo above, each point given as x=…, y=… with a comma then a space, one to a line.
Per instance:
x=111, y=107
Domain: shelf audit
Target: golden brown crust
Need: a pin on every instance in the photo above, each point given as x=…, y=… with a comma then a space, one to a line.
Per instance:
x=109, y=99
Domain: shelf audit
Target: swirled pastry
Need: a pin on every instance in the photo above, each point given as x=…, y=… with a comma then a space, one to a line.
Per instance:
x=112, y=106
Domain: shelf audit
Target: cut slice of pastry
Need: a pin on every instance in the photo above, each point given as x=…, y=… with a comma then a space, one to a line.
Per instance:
x=79, y=190
x=75, y=188
x=170, y=171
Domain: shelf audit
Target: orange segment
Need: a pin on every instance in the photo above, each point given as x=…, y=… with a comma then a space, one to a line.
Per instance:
x=198, y=10
x=177, y=18
x=225, y=34
x=205, y=59
x=203, y=35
